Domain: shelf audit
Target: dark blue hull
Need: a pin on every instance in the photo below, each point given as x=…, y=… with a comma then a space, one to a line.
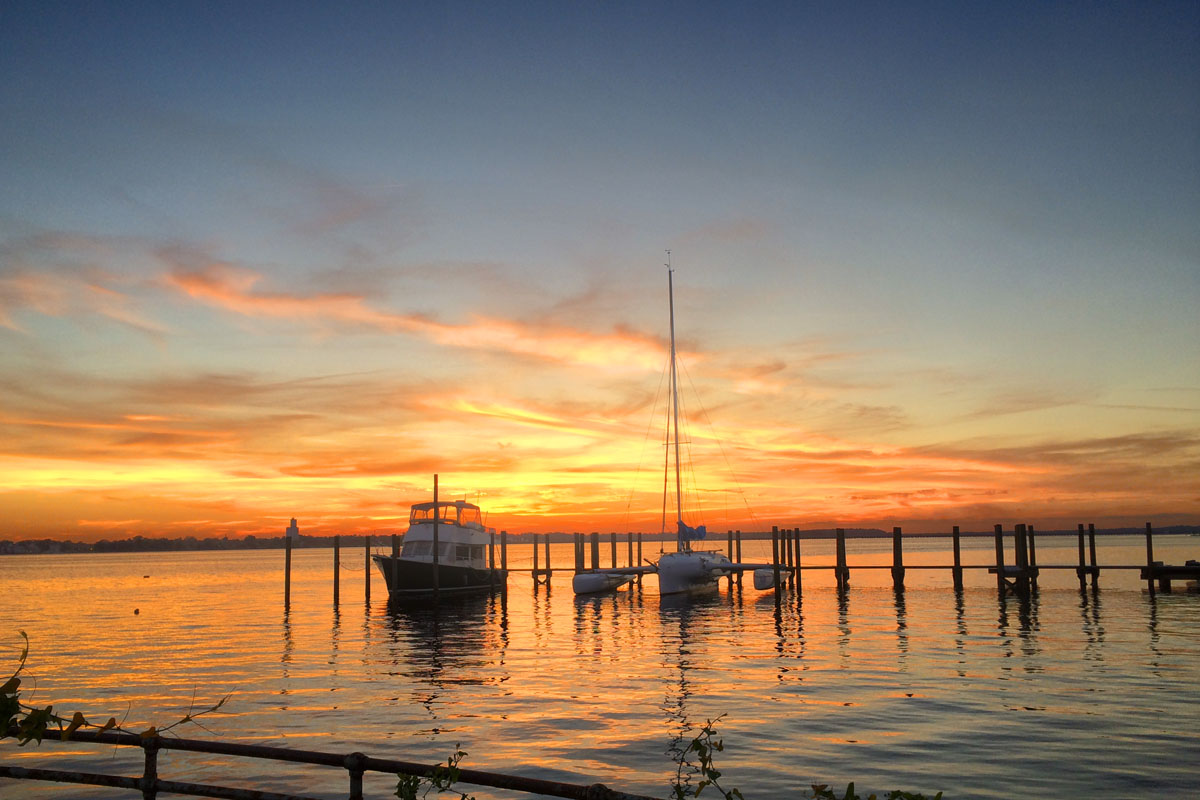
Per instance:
x=416, y=577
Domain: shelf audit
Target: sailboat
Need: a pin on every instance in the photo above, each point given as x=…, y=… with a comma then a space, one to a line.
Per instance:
x=686, y=569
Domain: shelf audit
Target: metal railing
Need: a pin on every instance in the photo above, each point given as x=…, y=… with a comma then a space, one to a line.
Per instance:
x=356, y=764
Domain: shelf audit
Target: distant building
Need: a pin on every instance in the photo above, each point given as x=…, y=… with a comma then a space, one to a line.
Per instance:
x=293, y=530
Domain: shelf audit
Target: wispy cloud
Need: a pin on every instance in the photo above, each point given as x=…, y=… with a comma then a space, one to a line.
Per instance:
x=236, y=289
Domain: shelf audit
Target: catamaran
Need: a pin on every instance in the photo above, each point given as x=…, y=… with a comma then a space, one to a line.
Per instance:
x=686, y=569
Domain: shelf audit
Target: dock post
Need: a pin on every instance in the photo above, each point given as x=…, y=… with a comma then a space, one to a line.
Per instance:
x=437, y=515
x=395, y=563
x=504, y=564
x=789, y=552
x=549, y=572
x=1092, y=553
x=366, y=567
x=958, y=583
x=729, y=553
x=1000, y=558
x=841, y=571
x=1150, y=559
x=595, y=550
x=737, y=547
x=1033, y=567
x=775, y=557
x=639, y=554
x=1082, y=570
x=492, y=559
x=536, y=567
x=897, y=560
x=578, y=541
x=287, y=572
x=629, y=552
x=799, y=583
x=337, y=563
x=1021, y=556
x=613, y=539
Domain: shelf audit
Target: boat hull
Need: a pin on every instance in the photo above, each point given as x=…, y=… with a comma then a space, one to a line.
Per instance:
x=409, y=578
x=688, y=571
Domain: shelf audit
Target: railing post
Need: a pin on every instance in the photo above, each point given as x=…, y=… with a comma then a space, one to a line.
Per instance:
x=354, y=763
x=150, y=773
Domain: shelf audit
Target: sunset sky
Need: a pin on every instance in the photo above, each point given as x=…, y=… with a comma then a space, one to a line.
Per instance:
x=936, y=264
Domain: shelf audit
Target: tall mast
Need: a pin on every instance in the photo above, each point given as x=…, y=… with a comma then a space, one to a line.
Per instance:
x=675, y=405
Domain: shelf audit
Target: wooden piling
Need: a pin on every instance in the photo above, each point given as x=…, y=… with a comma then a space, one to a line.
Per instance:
x=492, y=559
x=897, y=560
x=1150, y=559
x=799, y=583
x=842, y=572
x=789, y=551
x=1000, y=558
x=287, y=571
x=366, y=568
x=1021, y=556
x=639, y=557
x=578, y=542
x=775, y=557
x=958, y=581
x=629, y=551
x=504, y=553
x=613, y=537
x=546, y=544
x=595, y=550
x=537, y=570
x=337, y=563
x=737, y=545
x=1081, y=571
x=436, y=518
x=1092, y=553
x=395, y=562
x=1033, y=567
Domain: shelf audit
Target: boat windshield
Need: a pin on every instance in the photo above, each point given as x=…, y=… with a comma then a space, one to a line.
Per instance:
x=448, y=513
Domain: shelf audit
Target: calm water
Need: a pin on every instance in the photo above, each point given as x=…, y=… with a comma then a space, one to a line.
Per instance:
x=1070, y=694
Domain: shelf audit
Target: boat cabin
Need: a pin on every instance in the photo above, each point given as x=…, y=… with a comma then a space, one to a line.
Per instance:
x=462, y=537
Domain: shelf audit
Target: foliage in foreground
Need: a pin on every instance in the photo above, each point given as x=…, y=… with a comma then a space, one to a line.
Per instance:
x=37, y=722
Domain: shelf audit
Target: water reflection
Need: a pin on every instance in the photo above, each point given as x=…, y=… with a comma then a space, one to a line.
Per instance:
x=438, y=647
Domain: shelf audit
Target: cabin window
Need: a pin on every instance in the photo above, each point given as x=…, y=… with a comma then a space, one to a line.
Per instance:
x=477, y=552
x=462, y=552
x=417, y=549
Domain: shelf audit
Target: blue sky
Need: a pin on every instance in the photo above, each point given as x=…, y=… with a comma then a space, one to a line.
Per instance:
x=908, y=236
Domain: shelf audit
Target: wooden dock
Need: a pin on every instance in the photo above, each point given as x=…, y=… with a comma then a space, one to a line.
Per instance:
x=1019, y=577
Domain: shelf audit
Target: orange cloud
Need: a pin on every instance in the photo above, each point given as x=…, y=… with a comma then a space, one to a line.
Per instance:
x=233, y=289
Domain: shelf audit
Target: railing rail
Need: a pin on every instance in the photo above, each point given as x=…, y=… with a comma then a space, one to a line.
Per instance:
x=355, y=763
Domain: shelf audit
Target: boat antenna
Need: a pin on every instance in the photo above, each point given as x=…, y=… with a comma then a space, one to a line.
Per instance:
x=680, y=543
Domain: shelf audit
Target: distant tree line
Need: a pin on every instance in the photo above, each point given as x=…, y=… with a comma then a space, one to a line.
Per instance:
x=142, y=544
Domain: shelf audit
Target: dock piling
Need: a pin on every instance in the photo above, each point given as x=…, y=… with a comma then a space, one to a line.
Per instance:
x=287, y=572
x=1000, y=582
x=958, y=581
x=1150, y=559
x=1092, y=553
x=367, y=568
x=842, y=572
x=337, y=563
x=897, y=560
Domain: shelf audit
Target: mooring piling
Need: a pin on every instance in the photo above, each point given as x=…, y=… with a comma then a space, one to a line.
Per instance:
x=957, y=569
x=337, y=563
x=367, y=568
x=287, y=572
x=842, y=572
x=897, y=560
